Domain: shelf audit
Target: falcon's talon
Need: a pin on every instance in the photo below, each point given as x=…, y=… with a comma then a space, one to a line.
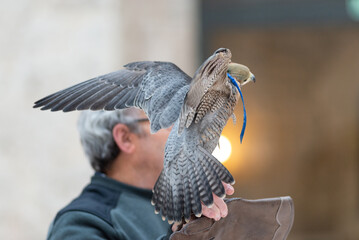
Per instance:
x=198, y=215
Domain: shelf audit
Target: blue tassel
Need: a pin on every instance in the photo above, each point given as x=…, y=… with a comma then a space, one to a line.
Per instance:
x=244, y=109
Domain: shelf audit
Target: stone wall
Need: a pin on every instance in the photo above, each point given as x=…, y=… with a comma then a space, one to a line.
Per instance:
x=46, y=46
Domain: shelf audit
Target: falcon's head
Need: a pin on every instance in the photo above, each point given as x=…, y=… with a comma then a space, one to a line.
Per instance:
x=241, y=73
x=216, y=67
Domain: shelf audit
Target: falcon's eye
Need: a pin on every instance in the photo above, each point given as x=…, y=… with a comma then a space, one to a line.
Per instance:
x=221, y=50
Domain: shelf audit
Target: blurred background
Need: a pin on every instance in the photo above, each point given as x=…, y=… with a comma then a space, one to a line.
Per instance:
x=302, y=136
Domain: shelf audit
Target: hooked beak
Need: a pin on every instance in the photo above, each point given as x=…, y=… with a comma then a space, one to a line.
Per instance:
x=251, y=78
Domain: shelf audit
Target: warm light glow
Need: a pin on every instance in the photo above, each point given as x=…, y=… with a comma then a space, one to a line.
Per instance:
x=223, y=152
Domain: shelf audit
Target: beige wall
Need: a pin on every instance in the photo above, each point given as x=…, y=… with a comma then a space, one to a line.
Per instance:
x=46, y=46
x=303, y=124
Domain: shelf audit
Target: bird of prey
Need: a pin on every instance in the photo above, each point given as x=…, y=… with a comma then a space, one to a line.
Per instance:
x=198, y=108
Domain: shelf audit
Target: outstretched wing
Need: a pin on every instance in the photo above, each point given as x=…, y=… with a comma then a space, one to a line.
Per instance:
x=159, y=88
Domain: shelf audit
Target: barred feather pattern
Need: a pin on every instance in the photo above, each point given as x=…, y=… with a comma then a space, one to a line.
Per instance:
x=210, y=135
x=209, y=103
x=194, y=174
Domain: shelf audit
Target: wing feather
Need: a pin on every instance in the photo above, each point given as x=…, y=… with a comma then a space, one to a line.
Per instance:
x=46, y=100
x=159, y=88
x=91, y=96
x=80, y=94
x=101, y=101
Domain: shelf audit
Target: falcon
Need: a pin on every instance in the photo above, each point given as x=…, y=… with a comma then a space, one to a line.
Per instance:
x=198, y=108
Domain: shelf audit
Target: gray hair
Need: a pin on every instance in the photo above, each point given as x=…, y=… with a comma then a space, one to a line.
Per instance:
x=95, y=128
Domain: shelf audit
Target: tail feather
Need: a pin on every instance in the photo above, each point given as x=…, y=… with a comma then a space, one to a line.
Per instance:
x=177, y=193
x=164, y=198
x=157, y=197
x=167, y=210
x=204, y=188
x=187, y=200
x=154, y=200
x=214, y=180
x=188, y=183
x=169, y=204
x=187, y=194
x=223, y=173
x=195, y=196
x=218, y=167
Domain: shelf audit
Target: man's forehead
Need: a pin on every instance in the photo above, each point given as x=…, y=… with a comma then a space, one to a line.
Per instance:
x=139, y=112
x=143, y=115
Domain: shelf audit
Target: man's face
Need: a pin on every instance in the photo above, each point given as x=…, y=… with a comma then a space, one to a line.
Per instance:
x=151, y=147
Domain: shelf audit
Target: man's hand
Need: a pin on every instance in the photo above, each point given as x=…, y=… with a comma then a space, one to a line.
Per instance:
x=218, y=210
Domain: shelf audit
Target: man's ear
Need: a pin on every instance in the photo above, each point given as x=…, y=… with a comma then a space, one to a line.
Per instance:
x=124, y=138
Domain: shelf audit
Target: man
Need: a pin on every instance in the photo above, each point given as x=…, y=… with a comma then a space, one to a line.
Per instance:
x=127, y=159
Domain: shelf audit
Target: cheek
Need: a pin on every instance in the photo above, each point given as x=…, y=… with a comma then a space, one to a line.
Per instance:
x=162, y=135
x=158, y=140
x=161, y=143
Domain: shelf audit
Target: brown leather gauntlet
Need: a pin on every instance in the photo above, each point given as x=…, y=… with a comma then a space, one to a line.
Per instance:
x=262, y=219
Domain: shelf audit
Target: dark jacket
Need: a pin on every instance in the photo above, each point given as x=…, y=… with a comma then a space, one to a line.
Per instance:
x=108, y=209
